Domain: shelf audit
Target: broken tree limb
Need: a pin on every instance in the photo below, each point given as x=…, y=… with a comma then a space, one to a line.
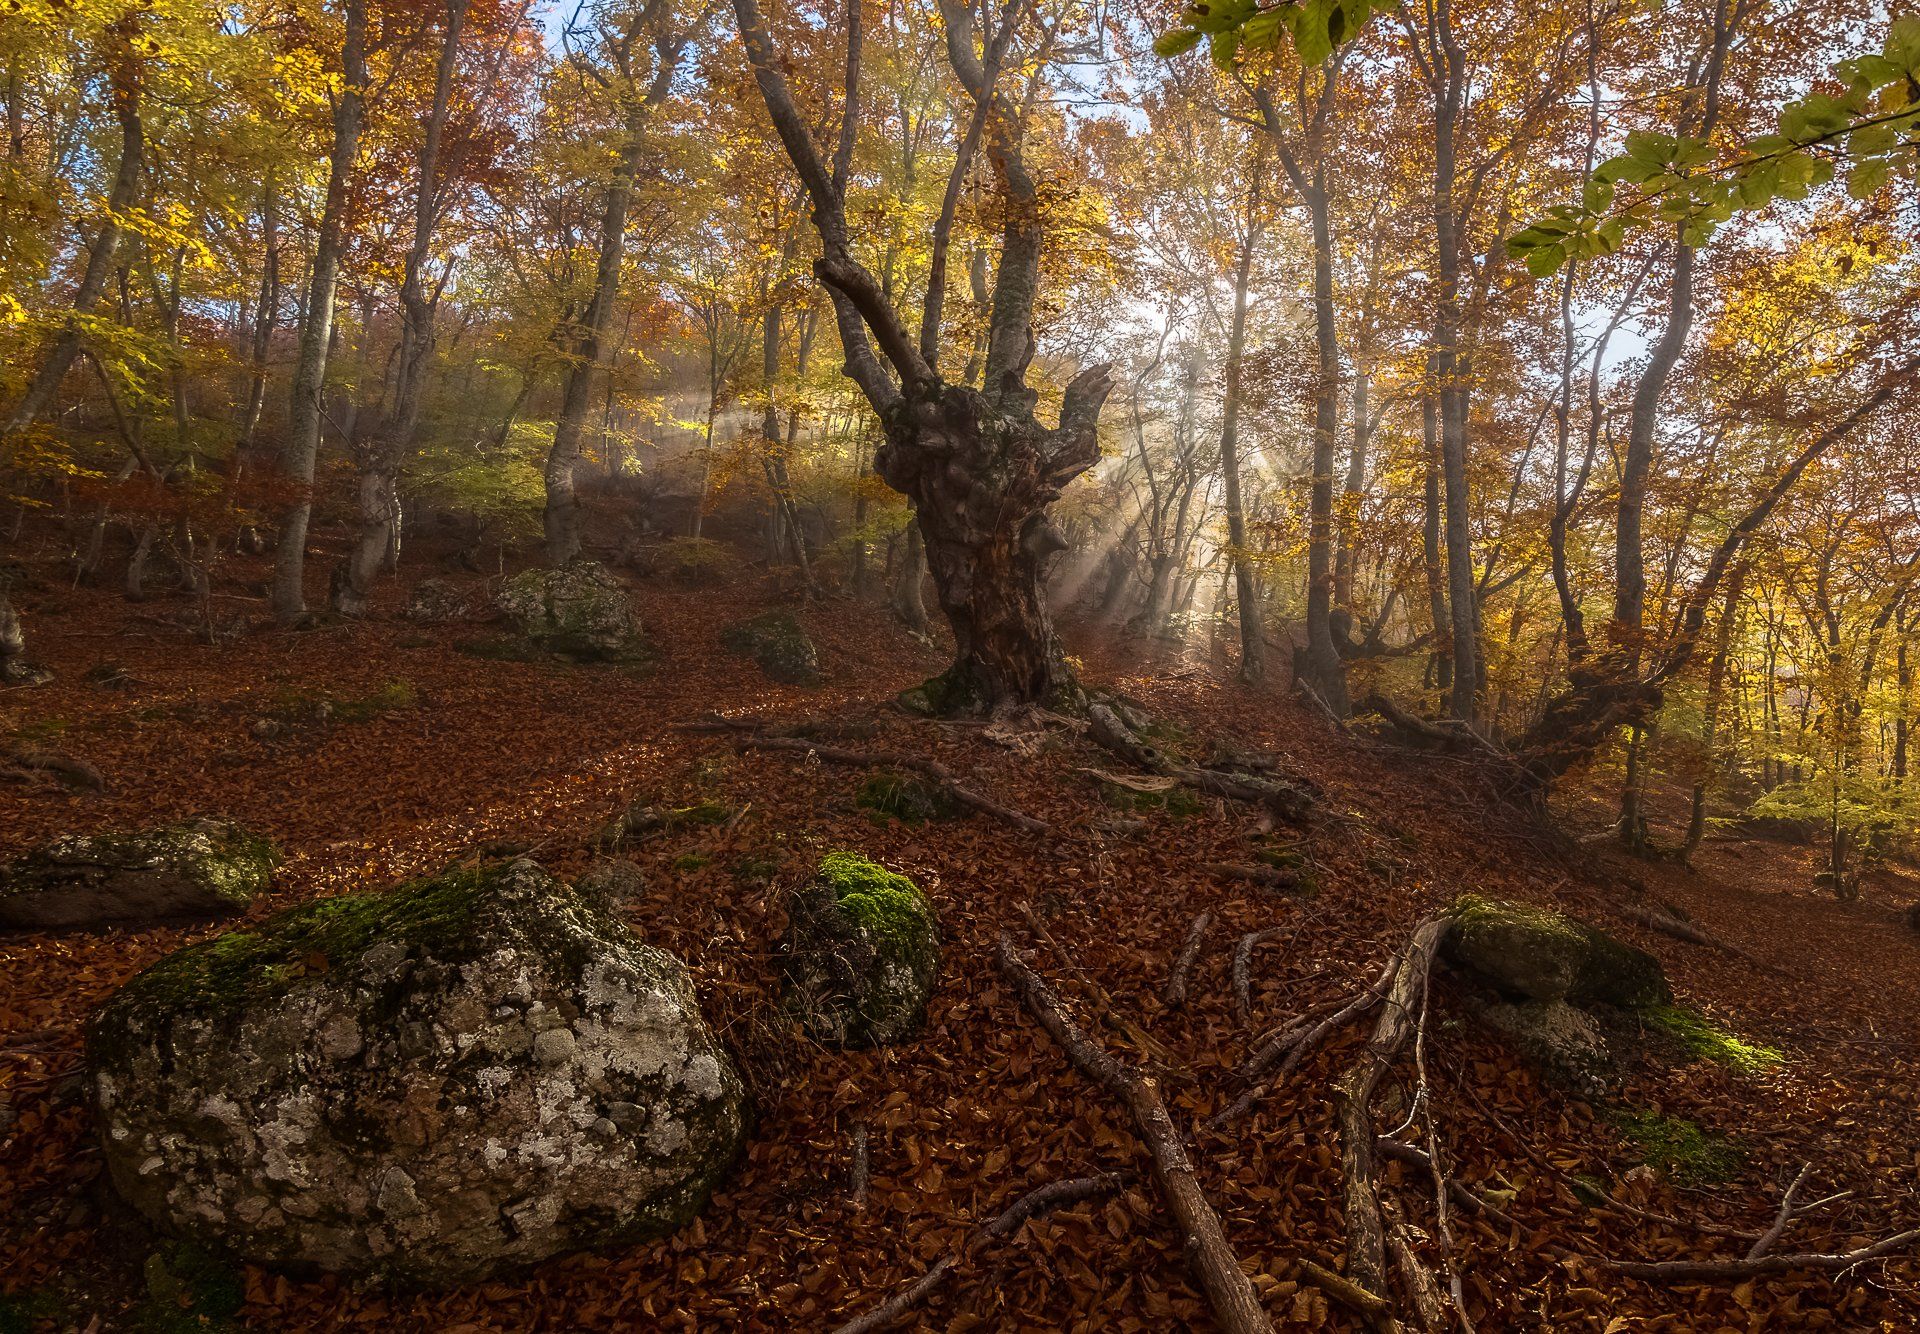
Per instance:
x=1348, y=1293
x=1243, y=970
x=1293, y=1045
x=1176, y=992
x=1461, y=1194
x=1416, y=1278
x=1144, y=1042
x=1289, y=801
x=1669, y=925
x=1781, y=1220
x=1402, y=1012
x=1041, y=1200
x=1270, y=877
x=749, y=739
x=1236, y=1306
x=1733, y=1271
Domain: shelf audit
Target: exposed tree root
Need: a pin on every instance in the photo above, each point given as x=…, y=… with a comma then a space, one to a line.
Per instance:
x=1176, y=993
x=1041, y=1200
x=1733, y=1271
x=1144, y=1042
x=1236, y=1306
x=1288, y=800
x=24, y=762
x=1268, y=877
x=750, y=737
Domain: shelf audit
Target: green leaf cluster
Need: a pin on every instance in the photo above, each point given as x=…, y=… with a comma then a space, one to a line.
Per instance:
x=1872, y=128
x=1316, y=28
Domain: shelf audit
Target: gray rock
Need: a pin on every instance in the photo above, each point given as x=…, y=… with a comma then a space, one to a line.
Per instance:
x=613, y=880
x=412, y=1085
x=438, y=602
x=778, y=645
x=1531, y=953
x=1560, y=1039
x=578, y=611
x=202, y=868
x=862, y=953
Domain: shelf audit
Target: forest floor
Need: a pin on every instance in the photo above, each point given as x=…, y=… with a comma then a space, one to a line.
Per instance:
x=442, y=752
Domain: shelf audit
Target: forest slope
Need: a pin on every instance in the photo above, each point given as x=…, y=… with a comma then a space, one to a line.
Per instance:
x=436, y=752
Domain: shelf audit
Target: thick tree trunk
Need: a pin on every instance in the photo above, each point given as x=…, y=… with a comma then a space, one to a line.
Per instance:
x=316, y=332
x=14, y=668
x=981, y=478
x=1710, y=721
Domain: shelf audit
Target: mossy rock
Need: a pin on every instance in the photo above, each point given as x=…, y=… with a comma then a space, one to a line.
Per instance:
x=1535, y=954
x=697, y=562
x=1561, y=1040
x=579, y=611
x=862, y=952
x=464, y=1076
x=201, y=868
x=778, y=646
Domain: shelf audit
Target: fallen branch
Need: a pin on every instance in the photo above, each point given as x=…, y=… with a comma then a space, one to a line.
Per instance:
x=1269, y=877
x=1669, y=925
x=1460, y=1194
x=1236, y=1306
x=1289, y=801
x=1176, y=992
x=1348, y=1293
x=1291, y=1046
x=1041, y=1200
x=1143, y=1041
x=1731, y=1271
x=1402, y=1012
x=859, y=1171
x=1243, y=970
x=1416, y=1278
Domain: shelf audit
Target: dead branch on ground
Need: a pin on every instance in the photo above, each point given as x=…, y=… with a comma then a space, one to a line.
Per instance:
x=1176, y=992
x=1288, y=800
x=1235, y=1303
x=1041, y=1200
x=1243, y=970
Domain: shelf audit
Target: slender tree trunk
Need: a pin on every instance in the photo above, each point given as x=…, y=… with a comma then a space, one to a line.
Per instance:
x=124, y=84
x=1323, y=661
x=1253, y=634
x=1710, y=721
x=264, y=316
x=1344, y=553
x=1442, y=657
x=316, y=333
x=909, y=604
x=379, y=528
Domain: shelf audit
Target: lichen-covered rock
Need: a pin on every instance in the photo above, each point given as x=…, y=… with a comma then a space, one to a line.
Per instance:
x=863, y=953
x=777, y=643
x=1546, y=956
x=202, y=868
x=468, y=1074
x=438, y=602
x=578, y=611
x=1562, y=1040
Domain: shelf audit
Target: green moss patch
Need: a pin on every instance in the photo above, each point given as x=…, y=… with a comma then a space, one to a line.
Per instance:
x=1179, y=802
x=875, y=899
x=242, y=967
x=778, y=645
x=692, y=861
x=1705, y=1040
x=1681, y=1150
x=302, y=708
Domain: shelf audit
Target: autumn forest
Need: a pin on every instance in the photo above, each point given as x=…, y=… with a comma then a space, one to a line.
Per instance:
x=869, y=664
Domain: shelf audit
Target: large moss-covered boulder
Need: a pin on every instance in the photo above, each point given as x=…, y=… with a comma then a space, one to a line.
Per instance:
x=778, y=644
x=579, y=611
x=1533, y=954
x=862, y=953
x=466, y=1075
x=201, y=868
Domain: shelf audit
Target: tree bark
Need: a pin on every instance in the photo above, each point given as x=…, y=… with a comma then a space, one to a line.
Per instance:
x=1253, y=633
x=316, y=332
x=124, y=87
x=587, y=341
x=379, y=527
